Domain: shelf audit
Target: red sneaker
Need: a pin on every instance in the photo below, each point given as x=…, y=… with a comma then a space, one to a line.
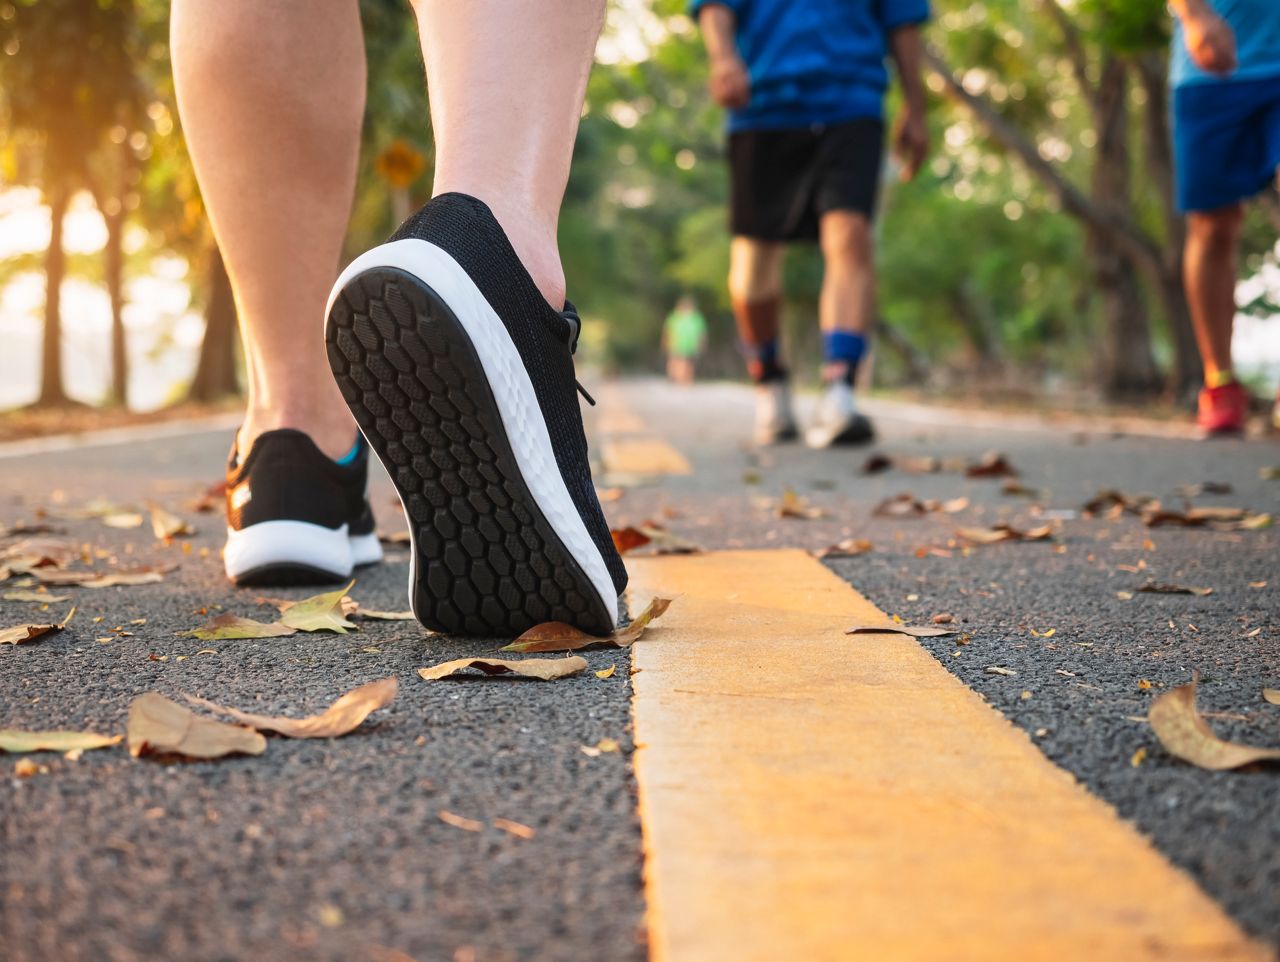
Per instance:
x=1223, y=409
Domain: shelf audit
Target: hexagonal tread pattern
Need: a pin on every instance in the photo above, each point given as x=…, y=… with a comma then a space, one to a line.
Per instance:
x=488, y=562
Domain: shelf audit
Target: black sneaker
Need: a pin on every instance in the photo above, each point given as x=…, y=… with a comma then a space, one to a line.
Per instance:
x=296, y=516
x=461, y=376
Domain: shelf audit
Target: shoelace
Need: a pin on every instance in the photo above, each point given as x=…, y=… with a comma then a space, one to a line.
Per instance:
x=570, y=314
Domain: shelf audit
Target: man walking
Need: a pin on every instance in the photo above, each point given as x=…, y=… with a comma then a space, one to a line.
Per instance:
x=804, y=81
x=1226, y=126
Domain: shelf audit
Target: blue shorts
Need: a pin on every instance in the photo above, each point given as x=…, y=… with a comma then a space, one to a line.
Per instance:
x=1226, y=141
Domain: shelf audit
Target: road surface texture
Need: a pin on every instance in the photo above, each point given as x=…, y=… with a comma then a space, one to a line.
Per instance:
x=336, y=850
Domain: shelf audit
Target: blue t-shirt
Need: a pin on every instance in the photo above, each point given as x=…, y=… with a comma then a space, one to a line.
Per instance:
x=1257, y=27
x=815, y=61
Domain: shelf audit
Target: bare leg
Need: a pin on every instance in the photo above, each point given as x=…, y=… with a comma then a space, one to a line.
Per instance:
x=755, y=289
x=1210, y=270
x=847, y=301
x=272, y=96
x=507, y=80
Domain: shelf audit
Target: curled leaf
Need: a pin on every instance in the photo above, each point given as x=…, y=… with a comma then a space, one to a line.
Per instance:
x=459, y=821
x=20, y=633
x=792, y=505
x=544, y=669
x=13, y=740
x=323, y=612
x=1271, y=695
x=1159, y=588
x=160, y=726
x=607, y=672
x=1185, y=734
x=342, y=716
x=229, y=626
x=166, y=525
x=848, y=548
x=915, y=631
x=993, y=464
x=627, y=539
x=903, y=505
x=557, y=636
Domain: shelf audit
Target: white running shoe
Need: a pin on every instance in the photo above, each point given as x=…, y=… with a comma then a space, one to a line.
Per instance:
x=837, y=421
x=775, y=421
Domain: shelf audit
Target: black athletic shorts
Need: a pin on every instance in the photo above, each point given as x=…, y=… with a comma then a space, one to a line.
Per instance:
x=784, y=180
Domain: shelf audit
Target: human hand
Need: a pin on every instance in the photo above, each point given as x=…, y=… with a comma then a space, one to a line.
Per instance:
x=1211, y=42
x=910, y=140
x=730, y=82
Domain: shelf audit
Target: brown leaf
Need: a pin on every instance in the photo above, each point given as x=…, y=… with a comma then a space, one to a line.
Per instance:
x=20, y=633
x=39, y=597
x=13, y=740
x=954, y=505
x=210, y=500
x=993, y=464
x=792, y=505
x=1160, y=588
x=513, y=828
x=877, y=463
x=604, y=746
x=902, y=505
x=557, y=636
x=1016, y=489
x=229, y=626
x=915, y=631
x=1272, y=695
x=160, y=726
x=95, y=579
x=458, y=821
x=626, y=539
x=38, y=553
x=848, y=548
x=385, y=615
x=323, y=612
x=166, y=525
x=1004, y=532
x=1185, y=734
x=342, y=716
x=944, y=618
x=607, y=672
x=545, y=669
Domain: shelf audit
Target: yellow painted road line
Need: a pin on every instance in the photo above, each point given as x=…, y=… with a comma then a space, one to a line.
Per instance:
x=644, y=455
x=808, y=795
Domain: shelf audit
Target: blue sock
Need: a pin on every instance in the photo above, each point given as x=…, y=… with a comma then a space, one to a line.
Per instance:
x=350, y=456
x=844, y=349
x=763, y=361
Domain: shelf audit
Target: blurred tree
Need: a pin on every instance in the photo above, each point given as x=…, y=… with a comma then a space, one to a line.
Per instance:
x=68, y=89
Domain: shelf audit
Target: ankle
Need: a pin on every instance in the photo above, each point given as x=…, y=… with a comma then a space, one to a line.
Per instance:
x=333, y=432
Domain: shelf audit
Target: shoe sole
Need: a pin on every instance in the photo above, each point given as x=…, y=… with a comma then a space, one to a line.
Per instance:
x=440, y=392
x=295, y=553
x=857, y=431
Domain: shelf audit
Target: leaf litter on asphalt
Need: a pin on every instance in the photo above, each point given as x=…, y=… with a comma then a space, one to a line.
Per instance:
x=342, y=716
x=1004, y=532
x=557, y=636
x=14, y=740
x=323, y=612
x=543, y=669
x=915, y=631
x=1185, y=734
x=227, y=627
x=19, y=634
x=158, y=726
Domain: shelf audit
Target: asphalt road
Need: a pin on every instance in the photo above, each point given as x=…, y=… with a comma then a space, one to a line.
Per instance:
x=334, y=849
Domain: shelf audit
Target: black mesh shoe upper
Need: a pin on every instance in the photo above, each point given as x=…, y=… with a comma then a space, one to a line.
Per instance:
x=465, y=229
x=285, y=477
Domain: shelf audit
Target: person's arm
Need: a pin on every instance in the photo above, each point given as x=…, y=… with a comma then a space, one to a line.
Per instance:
x=1209, y=38
x=730, y=82
x=911, y=129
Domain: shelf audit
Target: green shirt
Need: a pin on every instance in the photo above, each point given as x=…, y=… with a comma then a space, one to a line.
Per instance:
x=686, y=332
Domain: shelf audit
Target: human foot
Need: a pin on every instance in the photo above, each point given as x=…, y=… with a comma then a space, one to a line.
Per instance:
x=838, y=422
x=461, y=376
x=1223, y=409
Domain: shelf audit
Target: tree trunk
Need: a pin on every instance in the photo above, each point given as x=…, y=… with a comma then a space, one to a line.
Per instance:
x=52, y=392
x=1128, y=367
x=113, y=268
x=1184, y=375
x=215, y=376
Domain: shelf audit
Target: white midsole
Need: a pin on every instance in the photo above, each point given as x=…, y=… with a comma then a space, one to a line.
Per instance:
x=270, y=543
x=366, y=549
x=512, y=390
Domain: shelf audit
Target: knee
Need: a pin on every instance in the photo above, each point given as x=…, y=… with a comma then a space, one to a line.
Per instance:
x=754, y=274
x=1217, y=231
x=846, y=241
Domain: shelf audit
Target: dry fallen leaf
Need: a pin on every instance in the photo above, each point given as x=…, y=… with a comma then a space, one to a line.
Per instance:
x=342, y=716
x=38, y=553
x=457, y=821
x=607, y=672
x=513, y=828
x=848, y=548
x=395, y=537
x=1000, y=670
x=557, y=636
x=229, y=626
x=160, y=726
x=25, y=768
x=915, y=631
x=902, y=505
x=384, y=615
x=39, y=597
x=323, y=612
x=603, y=746
x=122, y=519
x=993, y=464
x=1158, y=588
x=95, y=579
x=545, y=669
x=20, y=633
x=1004, y=532
x=954, y=505
x=626, y=539
x=13, y=740
x=1272, y=695
x=792, y=505
x=1016, y=489
x=1186, y=735
x=166, y=525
